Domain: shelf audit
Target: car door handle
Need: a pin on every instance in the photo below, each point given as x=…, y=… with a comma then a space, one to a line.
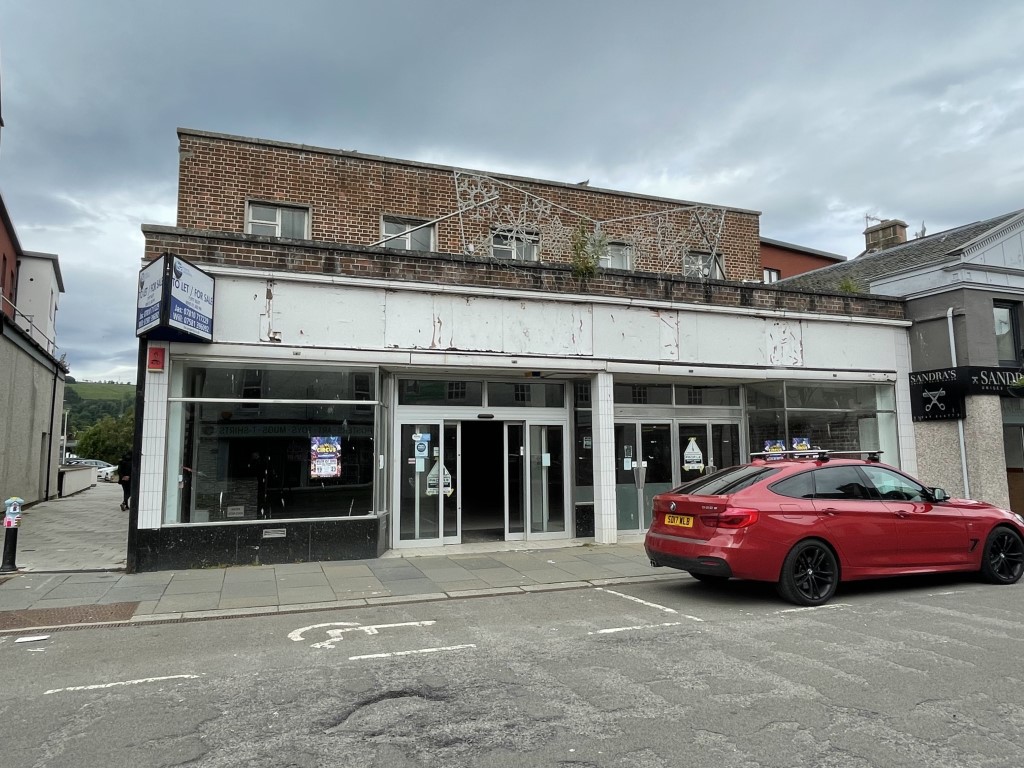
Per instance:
x=829, y=510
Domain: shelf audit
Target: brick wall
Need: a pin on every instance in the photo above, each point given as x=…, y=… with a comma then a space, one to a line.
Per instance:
x=443, y=269
x=348, y=193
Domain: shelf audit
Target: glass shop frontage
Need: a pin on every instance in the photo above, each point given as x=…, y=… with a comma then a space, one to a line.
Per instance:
x=344, y=461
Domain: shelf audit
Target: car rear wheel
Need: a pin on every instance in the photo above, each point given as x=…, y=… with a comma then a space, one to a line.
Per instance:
x=1003, y=559
x=810, y=574
x=709, y=578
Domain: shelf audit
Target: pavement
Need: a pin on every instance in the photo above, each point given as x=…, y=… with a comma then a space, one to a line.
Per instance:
x=71, y=557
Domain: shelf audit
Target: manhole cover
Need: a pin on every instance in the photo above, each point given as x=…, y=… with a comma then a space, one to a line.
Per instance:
x=78, y=614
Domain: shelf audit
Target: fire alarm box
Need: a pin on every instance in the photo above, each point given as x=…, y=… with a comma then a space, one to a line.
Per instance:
x=157, y=356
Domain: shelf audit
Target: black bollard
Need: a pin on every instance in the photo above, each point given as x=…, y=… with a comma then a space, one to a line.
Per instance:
x=10, y=551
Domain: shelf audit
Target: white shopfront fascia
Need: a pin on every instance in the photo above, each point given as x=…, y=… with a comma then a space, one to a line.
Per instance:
x=430, y=330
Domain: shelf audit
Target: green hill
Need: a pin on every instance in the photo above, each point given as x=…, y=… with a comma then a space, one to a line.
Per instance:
x=87, y=402
x=90, y=390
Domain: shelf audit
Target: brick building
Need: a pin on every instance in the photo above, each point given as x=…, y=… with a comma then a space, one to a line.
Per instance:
x=343, y=353
x=780, y=260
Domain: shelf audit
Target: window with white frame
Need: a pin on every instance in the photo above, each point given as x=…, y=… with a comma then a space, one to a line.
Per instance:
x=407, y=234
x=771, y=275
x=1007, y=330
x=617, y=256
x=277, y=220
x=519, y=246
x=702, y=265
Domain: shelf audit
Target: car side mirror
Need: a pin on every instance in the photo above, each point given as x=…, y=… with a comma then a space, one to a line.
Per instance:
x=939, y=495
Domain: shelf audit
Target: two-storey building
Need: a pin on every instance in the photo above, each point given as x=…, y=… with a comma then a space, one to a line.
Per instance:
x=371, y=353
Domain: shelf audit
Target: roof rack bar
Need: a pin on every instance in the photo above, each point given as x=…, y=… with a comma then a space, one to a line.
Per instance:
x=821, y=453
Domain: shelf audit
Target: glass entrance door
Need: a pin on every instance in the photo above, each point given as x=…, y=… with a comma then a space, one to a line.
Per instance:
x=643, y=469
x=428, y=511
x=535, y=481
x=705, y=446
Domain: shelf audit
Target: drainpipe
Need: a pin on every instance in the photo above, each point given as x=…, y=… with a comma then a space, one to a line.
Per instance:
x=49, y=434
x=960, y=421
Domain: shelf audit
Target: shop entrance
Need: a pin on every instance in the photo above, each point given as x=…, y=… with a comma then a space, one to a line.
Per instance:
x=472, y=481
x=652, y=456
x=483, y=481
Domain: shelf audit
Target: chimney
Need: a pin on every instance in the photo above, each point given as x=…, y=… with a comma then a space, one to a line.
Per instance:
x=885, y=234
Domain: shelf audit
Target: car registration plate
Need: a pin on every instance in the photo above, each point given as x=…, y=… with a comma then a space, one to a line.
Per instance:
x=683, y=521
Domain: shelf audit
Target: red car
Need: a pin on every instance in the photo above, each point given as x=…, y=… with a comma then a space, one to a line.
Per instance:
x=809, y=520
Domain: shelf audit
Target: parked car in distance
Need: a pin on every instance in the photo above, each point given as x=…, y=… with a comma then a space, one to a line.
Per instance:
x=104, y=469
x=807, y=520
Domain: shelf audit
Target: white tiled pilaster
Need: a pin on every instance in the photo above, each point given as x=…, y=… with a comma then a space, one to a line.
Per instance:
x=154, y=421
x=603, y=413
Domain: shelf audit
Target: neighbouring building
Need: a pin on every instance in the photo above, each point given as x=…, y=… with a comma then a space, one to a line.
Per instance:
x=780, y=260
x=343, y=353
x=963, y=290
x=31, y=376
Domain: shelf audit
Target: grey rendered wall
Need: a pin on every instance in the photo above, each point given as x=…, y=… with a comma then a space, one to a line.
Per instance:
x=26, y=396
x=929, y=335
x=973, y=325
x=938, y=452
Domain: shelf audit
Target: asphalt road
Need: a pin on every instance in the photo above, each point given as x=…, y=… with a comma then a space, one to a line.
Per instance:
x=906, y=673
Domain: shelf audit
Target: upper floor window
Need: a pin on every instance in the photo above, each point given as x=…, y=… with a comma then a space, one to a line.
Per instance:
x=277, y=221
x=515, y=245
x=407, y=234
x=771, y=275
x=702, y=265
x=617, y=256
x=1007, y=333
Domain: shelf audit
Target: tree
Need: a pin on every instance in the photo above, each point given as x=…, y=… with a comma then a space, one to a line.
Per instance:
x=109, y=438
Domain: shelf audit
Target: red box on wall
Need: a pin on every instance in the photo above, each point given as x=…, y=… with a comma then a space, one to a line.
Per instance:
x=156, y=358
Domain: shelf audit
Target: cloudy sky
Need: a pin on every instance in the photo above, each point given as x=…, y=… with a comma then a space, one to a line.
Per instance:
x=816, y=113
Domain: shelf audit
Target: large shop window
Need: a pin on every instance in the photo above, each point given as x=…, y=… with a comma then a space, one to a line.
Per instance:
x=832, y=415
x=271, y=443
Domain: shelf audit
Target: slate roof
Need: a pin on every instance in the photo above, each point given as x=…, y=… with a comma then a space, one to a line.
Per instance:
x=914, y=253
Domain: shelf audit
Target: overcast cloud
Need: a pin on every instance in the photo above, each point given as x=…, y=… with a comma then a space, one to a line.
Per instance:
x=815, y=113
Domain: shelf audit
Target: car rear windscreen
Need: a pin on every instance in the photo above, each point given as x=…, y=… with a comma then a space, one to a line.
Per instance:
x=727, y=481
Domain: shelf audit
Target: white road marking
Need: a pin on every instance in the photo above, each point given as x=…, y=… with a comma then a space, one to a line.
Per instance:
x=815, y=608
x=649, y=605
x=123, y=682
x=630, y=629
x=32, y=639
x=410, y=653
x=943, y=594
x=337, y=635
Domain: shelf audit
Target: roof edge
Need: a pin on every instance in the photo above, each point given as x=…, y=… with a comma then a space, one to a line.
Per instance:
x=437, y=166
x=804, y=249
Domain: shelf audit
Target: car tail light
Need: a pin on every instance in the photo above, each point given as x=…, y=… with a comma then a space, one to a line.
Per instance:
x=731, y=518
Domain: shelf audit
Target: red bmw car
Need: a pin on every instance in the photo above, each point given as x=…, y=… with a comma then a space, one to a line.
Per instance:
x=809, y=520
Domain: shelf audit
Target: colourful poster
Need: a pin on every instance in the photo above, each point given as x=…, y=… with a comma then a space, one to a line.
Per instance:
x=775, y=448
x=325, y=457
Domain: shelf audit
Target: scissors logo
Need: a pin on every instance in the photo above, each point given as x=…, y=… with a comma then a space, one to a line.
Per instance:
x=935, y=399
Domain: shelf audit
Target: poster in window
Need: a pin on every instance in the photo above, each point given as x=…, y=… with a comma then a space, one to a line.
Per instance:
x=324, y=457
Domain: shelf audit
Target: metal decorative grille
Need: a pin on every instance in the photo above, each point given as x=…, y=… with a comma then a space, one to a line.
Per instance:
x=658, y=241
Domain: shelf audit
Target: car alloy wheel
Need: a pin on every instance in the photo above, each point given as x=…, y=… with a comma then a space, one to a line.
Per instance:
x=810, y=574
x=1003, y=559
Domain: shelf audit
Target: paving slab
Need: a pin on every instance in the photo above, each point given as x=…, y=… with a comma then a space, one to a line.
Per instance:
x=251, y=601
x=200, y=601
x=411, y=587
x=305, y=595
x=193, y=586
x=342, y=571
x=250, y=589
x=295, y=579
x=88, y=593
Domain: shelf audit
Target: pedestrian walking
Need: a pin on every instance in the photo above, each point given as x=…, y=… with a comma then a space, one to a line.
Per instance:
x=124, y=478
